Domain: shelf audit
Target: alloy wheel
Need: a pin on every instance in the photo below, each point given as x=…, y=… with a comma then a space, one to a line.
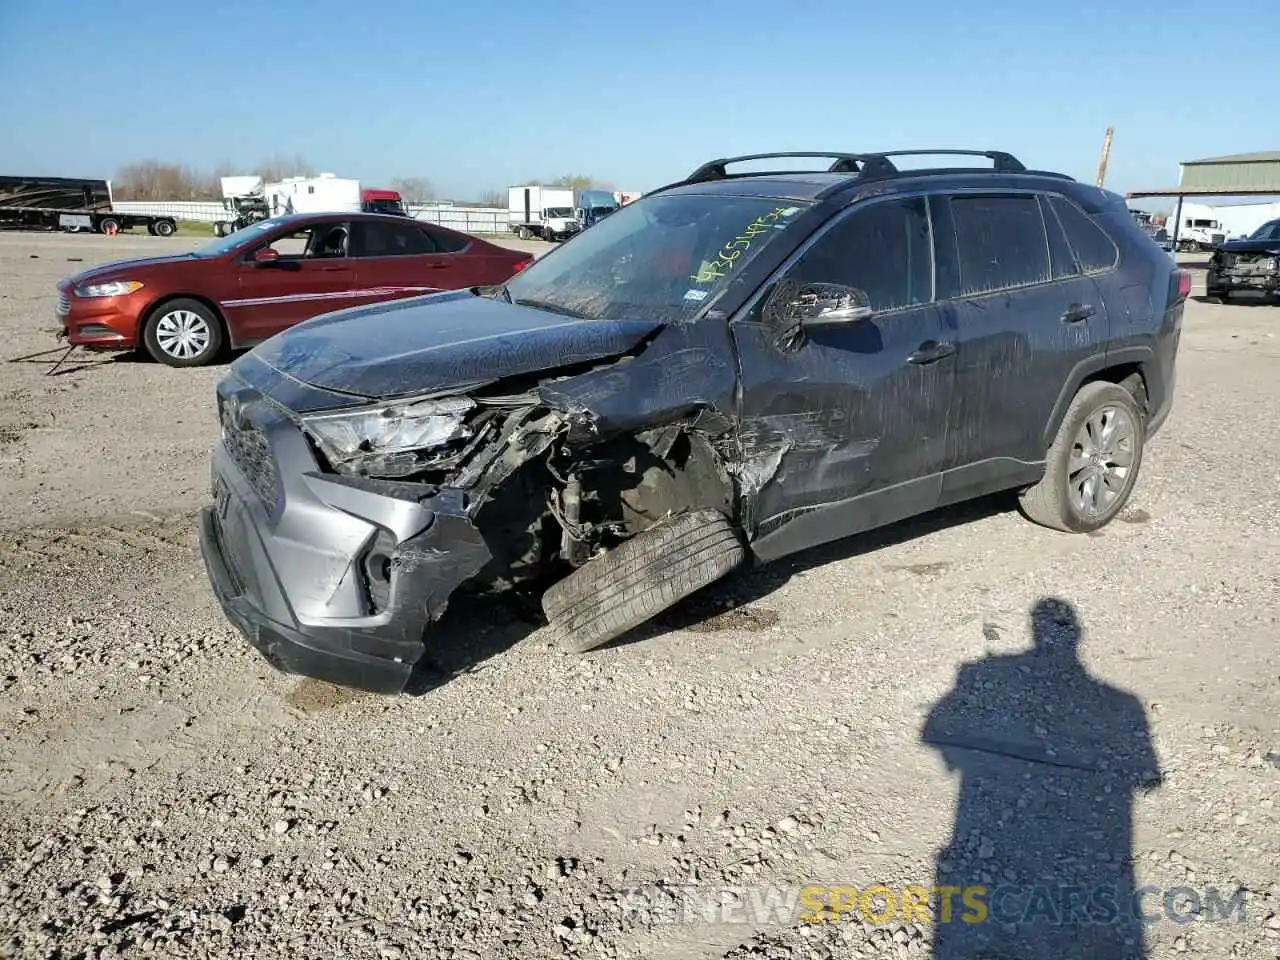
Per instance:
x=1101, y=461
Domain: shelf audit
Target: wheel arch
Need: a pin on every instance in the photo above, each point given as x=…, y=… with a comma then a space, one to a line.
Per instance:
x=1127, y=367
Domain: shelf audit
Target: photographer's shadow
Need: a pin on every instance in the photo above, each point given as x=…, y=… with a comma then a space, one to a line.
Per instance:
x=1049, y=759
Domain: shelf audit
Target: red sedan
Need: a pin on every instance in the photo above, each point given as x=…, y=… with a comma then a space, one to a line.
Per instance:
x=242, y=289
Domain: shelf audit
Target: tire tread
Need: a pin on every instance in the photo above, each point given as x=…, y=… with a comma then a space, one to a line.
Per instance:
x=612, y=594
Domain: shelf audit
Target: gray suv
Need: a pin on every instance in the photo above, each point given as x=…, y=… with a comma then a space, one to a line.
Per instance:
x=736, y=367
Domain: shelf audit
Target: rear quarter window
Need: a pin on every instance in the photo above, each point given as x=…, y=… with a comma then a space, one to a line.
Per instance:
x=1001, y=242
x=446, y=242
x=1093, y=248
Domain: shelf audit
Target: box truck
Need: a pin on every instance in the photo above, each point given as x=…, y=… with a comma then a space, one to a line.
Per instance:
x=547, y=212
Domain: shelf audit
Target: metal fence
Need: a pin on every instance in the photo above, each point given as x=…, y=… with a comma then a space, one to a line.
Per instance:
x=468, y=219
x=205, y=211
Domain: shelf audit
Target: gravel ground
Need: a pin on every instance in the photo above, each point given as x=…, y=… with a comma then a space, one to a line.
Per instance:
x=165, y=792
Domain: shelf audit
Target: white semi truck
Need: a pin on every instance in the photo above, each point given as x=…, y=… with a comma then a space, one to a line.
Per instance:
x=251, y=199
x=1200, y=228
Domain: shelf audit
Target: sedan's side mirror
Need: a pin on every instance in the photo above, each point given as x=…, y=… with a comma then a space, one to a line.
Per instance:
x=266, y=255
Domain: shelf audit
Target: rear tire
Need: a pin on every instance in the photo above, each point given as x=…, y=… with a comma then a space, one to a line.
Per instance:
x=183, y=333
x=524, y=234
x=612, y=594
x=109, y=225
x=165, y=228
x=1093, y=464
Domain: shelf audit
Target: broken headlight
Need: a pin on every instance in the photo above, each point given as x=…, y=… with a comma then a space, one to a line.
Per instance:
x=390, y=440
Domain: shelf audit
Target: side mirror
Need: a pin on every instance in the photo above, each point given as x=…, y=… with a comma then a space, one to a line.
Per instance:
x=266, y=255
x=817, y=305
x=794, y=308
x=579, y=213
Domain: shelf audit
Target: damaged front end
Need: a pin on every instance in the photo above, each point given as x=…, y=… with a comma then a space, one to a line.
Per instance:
x=337, y=536
x=544, y=481
x=1257, y=271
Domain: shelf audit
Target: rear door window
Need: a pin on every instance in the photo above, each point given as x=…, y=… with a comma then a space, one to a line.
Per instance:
x=374, y=239
x=1062, y=261
x=1001, y=242
x=1093, y=248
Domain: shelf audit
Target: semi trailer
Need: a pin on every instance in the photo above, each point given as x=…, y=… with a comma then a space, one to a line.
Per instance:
x=72, y=204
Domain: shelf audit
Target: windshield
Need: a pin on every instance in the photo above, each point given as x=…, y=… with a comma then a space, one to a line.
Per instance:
x=1268, y=231
x=559, y=212
x=663, y=257
x=385, y=206
x=243, y=236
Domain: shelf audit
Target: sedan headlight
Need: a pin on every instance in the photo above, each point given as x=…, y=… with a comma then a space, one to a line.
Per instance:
x=391, y=440
x=115, y=288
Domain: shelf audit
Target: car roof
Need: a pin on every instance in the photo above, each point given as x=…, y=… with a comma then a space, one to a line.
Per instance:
x=292, y=218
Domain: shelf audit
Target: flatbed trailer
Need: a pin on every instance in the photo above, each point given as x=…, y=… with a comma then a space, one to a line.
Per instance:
x=70, y=204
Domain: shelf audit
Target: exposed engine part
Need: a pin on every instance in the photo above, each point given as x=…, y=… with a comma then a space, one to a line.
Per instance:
x=568, y=514
x=1254, y=271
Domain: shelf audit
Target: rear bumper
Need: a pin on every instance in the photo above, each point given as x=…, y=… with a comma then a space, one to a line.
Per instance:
x=328, y=578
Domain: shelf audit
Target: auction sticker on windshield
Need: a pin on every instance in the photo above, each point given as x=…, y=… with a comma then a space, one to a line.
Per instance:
x=732, y=251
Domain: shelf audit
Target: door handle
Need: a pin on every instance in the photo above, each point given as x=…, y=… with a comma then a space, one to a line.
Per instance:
x=438, y=266
x=331, y=269
x=931, y=351
x=1078, y=311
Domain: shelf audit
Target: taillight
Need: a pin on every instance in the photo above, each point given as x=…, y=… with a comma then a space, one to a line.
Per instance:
x=1184, y=284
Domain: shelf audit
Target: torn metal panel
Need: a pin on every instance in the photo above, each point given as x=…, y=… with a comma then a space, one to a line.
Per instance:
x=686, y=369
x=430, y=568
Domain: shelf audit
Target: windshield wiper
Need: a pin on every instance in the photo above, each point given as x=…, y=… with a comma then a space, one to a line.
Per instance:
x=550, y=307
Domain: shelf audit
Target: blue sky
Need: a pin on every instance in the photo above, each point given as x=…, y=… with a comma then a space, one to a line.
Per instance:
x=477, y=96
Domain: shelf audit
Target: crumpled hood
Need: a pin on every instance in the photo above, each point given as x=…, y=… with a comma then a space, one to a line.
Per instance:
x=437, y=343
x=125, y=269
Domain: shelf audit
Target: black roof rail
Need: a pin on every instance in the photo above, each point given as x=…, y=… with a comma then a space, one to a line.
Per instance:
x=875, y=165
x=864, y=164
x=1003, y=162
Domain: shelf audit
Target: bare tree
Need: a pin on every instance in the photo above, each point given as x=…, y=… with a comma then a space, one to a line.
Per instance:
x=580, y=181
x=153, y=180
x=414, y=189
x=493, y=198
x=278, y=168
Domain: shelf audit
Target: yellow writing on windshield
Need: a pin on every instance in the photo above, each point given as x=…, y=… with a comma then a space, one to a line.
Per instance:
x=728, y=255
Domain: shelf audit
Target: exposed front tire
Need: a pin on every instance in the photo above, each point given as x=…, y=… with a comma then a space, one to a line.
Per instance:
x=183, y=333
x=1093, y=464
x=614, y=593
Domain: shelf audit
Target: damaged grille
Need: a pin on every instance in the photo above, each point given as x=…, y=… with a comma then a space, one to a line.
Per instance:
x=248, y=447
